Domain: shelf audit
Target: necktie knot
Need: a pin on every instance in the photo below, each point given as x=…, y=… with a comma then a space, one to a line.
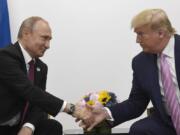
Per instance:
x=164, y=64
x=163, y=56
x=31, y=63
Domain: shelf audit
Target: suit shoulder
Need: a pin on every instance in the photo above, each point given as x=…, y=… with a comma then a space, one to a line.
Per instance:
x=8, y=48
x=142, y=56
x=10, y=51
x=177, y=38
x=144, y=59
x=139, y=56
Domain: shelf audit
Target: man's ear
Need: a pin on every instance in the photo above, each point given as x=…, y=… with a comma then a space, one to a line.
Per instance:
x=25, y=32
x=161, y=33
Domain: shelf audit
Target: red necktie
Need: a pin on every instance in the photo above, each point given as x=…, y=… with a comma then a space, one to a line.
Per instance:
x=31, y=78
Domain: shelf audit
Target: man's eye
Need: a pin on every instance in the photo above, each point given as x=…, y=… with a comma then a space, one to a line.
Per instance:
x=43, y=38
x=140, y=34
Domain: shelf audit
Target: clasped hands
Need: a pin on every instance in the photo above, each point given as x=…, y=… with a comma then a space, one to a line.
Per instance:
x=88, y=116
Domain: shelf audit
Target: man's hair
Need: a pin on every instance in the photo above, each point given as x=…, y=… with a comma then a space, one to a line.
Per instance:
x=28, y=24
x=155, y=18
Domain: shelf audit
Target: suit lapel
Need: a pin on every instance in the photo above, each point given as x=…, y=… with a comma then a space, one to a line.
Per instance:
x=37, y=72
x=177, y=58
x=154, y=87
x=37, y=65
x=155, y=79
x=19, y=53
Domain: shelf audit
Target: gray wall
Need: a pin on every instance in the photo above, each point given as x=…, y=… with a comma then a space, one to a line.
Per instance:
x=92, y=45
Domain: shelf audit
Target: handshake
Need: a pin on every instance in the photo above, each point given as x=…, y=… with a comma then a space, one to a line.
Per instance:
x=91, y=110
x=88, y=116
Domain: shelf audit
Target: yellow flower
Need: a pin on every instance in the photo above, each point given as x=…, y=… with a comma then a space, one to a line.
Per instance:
x=85, y=96
x=90, y=102
x=104, y=97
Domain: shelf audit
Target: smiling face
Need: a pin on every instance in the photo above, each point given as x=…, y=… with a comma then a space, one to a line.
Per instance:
x=150, y=40
x=37, y=40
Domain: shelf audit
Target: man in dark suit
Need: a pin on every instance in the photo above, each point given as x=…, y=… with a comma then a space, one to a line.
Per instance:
x=157, y=38
x=24, y=103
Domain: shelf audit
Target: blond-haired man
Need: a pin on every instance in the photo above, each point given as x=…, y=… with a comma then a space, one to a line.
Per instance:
x=157, y=37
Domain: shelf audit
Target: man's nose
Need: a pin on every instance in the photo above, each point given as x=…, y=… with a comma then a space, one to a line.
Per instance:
x=47, y=44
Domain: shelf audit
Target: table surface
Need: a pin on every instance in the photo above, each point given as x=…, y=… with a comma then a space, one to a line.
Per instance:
x=115, y=131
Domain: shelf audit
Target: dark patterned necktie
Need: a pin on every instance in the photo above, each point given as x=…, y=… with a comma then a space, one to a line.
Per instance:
x=31, y=78
x=170, y=93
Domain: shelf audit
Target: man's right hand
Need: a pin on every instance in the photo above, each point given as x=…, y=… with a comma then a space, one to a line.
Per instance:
x=92, y=117
x=25, y=131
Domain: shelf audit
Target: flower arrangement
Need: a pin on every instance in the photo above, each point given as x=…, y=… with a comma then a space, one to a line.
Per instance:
x=101, y=98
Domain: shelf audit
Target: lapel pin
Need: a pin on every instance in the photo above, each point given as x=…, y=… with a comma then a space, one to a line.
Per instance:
x=38, y=69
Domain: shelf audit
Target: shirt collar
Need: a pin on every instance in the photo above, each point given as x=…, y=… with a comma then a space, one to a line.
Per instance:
x=26, y=55
x=169, y=49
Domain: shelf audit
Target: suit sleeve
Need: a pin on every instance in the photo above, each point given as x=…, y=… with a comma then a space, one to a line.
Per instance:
x=134, y=106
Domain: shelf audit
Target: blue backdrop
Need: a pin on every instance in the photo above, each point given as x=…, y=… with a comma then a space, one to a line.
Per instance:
x=5, y=37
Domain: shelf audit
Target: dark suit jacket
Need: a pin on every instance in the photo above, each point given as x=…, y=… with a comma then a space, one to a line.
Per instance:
x=16, y=89
x=145, y=87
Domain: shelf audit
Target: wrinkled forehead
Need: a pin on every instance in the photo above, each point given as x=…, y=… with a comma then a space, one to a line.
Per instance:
x=42, y=28
x=41, y=25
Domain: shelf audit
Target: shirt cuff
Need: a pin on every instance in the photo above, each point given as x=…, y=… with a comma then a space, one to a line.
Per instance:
x=29, y=125
x=110, y=114
x=63, y=106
